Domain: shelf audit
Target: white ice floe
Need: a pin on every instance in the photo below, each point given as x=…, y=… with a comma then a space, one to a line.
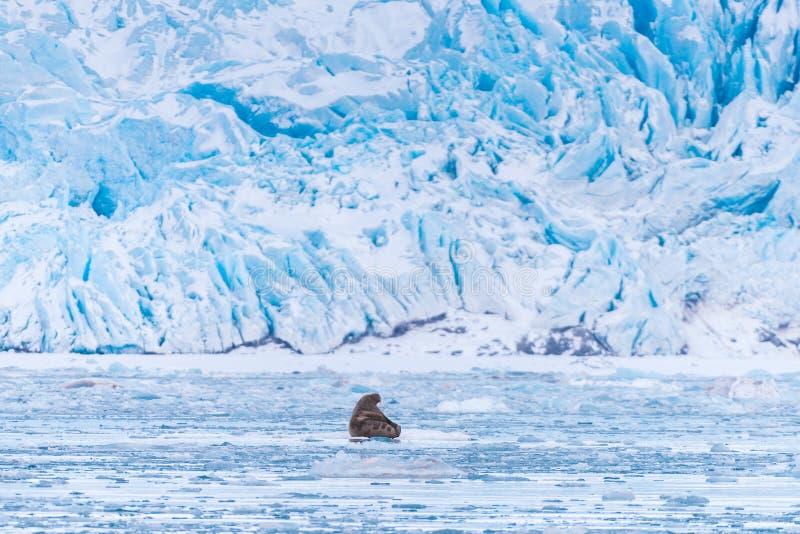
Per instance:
x=619, y=495
x=742, y=388
x=348, y=465
x=685, y=500
x=474, y=405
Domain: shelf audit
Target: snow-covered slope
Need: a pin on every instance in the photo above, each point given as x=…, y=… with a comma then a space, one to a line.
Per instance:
x=193, y=175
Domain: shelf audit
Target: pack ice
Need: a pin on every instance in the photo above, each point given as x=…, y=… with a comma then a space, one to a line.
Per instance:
x=196, y=175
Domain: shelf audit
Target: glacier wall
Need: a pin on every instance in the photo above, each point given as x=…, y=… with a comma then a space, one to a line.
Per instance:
x=196, y=175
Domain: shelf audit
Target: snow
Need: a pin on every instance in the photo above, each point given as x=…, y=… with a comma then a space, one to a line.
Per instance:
x=610, y=177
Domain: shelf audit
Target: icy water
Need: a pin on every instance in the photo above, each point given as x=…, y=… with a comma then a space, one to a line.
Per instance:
x=107, y=448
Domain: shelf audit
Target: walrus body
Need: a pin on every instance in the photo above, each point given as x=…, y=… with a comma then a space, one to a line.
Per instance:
x=368, y=420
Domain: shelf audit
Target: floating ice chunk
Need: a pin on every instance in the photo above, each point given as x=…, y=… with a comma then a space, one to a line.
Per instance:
x=721, y=386
x=253, y=481
x=247, y=510
x=685, y=500
x=744, y=388
x=720, y=447
x=474, y=405
x=344, y=465
x=754, y=388
x=619, y=495
x=117, y=369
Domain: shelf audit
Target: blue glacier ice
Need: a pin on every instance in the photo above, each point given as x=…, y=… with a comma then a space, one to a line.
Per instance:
x=195, y=175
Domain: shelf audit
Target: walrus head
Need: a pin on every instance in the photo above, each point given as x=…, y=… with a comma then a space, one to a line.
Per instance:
x=369, y=400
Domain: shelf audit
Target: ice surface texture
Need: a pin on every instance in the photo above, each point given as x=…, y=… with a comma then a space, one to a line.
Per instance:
x=617, y=177
x=199, y=450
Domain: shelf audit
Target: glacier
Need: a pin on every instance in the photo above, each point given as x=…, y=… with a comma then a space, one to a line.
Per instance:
x=612, y=177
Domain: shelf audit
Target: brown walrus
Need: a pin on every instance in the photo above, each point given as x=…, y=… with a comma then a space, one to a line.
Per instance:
x=368, y=420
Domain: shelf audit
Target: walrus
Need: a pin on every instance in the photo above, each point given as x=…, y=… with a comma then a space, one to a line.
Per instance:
x=368, y=420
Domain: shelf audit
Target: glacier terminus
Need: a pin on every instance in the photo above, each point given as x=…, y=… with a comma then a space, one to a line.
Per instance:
x=613, y=177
